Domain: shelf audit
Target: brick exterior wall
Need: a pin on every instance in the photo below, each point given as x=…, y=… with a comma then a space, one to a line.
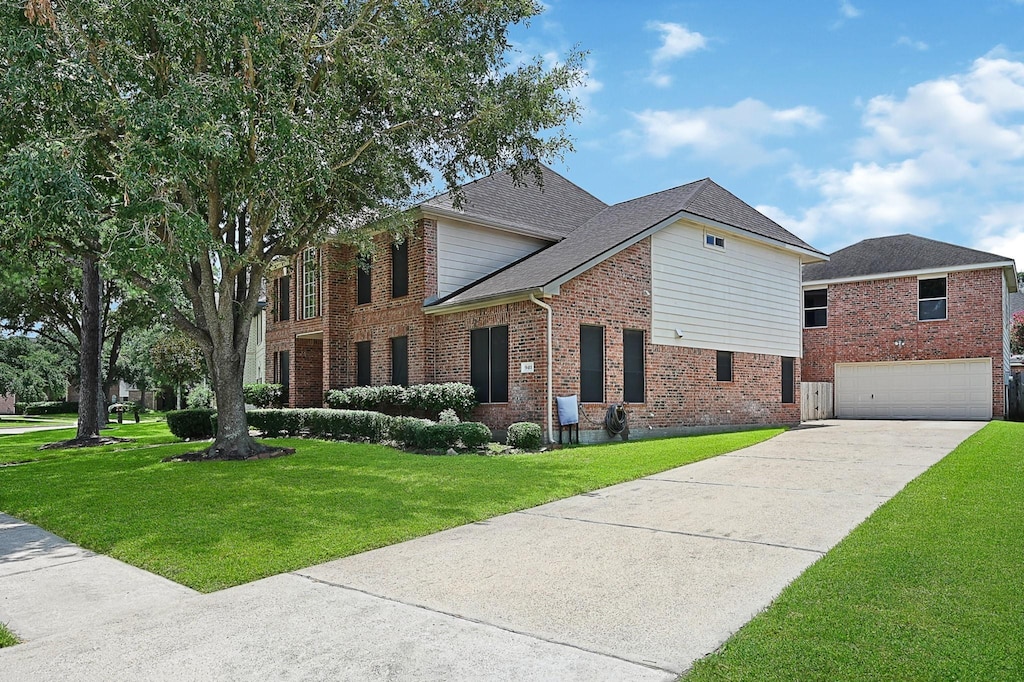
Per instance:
x=680, y=383
x=867, y=319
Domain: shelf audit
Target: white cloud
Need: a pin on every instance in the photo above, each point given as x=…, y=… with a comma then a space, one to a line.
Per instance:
x=929, y=160
x=731, y=135
x=918, y=45
x=676, y=41
x=846, y=11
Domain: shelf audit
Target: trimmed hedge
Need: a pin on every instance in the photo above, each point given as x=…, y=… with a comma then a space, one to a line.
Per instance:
x=431, y=399
x=192, y=424
x=363, y=425
x=263, y=395
x=19, y=408
x=51, y=407
x=525, y=436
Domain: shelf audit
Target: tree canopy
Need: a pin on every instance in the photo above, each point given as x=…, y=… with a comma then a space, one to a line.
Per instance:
x=191, y=144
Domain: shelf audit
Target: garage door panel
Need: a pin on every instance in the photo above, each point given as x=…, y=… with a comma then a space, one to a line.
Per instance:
x=947, y=389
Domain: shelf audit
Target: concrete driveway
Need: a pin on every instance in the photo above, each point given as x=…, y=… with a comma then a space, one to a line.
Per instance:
x=632, y=582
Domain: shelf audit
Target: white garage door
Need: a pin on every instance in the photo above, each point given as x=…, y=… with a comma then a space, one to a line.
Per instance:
x=939, y=389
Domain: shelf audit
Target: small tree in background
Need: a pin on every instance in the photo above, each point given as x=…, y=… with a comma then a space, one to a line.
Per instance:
x=1017, y=333
x=178, y=362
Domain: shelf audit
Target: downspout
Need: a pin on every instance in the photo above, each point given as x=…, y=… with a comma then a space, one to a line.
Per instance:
x=547, y=414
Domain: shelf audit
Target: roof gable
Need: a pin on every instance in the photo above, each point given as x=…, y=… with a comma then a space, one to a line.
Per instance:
x=551, y=210
x=899, y=253
x=616, y=226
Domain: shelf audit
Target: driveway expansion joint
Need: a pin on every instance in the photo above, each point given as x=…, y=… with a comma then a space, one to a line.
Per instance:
x=477, y=621
x=705, y=536
x=48, y=566
x=816, y=491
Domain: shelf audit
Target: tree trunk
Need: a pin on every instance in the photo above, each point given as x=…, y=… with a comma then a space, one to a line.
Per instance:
x=233, y=440
x=90, y=360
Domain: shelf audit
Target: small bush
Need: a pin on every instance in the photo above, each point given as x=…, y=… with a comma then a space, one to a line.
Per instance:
x=432, y=399
x=473, y=434
x=191, y=424
x=276, y=423
x=19, y=408
x=264, y=395
x=525, y=436
x=448, y=417
x=51, y=407
x=407, y=430
x=200, y=397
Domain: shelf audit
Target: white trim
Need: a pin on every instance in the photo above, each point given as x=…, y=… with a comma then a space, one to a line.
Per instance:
x=934, y=298
x=435, y=212
x=711, y=241
x=515, y=297
x=818, y=283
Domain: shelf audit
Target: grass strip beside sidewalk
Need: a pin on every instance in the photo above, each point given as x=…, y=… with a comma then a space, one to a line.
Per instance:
x=931, y=586
x=212, y=525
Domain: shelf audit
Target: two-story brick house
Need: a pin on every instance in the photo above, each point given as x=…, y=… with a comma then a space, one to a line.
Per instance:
x=532, y=292
x=910, y=328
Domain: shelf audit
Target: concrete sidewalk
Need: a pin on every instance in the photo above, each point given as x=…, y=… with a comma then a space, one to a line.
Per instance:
x=632, y=582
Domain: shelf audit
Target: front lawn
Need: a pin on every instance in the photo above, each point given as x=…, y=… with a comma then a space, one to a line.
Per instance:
x=212, y=525
x=930, y=587
x=6, y=638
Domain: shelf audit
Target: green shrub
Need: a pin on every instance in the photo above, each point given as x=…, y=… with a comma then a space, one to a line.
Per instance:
x=51, y=407
x=191, y=424
x=525, y=436
x=19, y=408
x=200, y=397
x=473, y=434
x=406, y=430
x=276, y=423
x=431, y=399
x=264, y=395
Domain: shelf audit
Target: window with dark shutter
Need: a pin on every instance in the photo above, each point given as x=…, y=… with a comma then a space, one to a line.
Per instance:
x=400, y=361
x=724, y=365
x=363, y=280
x=591, y=364
x=362, y=363
x=488, y=363
x=632, y=365
x=283, y=291
x=788, y=392
x=282, y=372
x=400, y=270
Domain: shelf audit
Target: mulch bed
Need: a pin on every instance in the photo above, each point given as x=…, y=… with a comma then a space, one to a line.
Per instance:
x=85, y=443
x=204, y=456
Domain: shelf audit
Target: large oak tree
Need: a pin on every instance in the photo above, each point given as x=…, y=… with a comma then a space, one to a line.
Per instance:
x=218, y=136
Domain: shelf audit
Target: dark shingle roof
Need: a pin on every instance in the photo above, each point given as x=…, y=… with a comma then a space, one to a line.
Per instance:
x=551, y=210
x=900, y=253
x=1016, y=302
x=617, y=224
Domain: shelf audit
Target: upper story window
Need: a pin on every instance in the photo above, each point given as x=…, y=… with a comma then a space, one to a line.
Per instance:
x=931, y=298
x=816, y=308
x=282, y=293
x=363, y=290
x=310, y=284
x=400, y=270
x=714, y=241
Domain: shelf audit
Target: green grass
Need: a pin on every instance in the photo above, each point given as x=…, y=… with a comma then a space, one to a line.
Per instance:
x=212, y=525
x=930, y=587
x=25, y=447
x=7, y=638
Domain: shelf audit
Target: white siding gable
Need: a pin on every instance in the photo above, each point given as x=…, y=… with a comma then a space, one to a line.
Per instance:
x=465, y=253
x=743, y=298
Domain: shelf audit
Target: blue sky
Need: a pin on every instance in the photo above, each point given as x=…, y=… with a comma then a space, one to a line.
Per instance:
x=839, y=119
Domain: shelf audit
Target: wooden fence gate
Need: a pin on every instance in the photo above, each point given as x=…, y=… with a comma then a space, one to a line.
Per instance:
x=1015, y=397
x=815, y=400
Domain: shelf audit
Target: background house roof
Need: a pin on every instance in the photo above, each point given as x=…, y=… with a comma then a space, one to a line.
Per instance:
x=551, y=210
x=615, y=225
x=1016, y=302
x=899, y=253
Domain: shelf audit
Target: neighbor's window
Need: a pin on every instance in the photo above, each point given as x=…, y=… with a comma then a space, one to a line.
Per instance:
x=931, y=298
x=488, y=363
x=363, y=280
x=400, y=361
x=724, y=365
x=362, y=363
x=788, y=378
x=591, y=364
x=633, y=365
x=816, y=308
x=713, y=240
x=310, y=284
x=400, y=270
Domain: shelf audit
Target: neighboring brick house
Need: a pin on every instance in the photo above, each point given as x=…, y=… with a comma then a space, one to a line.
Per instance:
x=648, y=302
x=908, y=327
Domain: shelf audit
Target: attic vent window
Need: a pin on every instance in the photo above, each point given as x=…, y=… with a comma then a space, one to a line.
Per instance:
x=714, y=241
